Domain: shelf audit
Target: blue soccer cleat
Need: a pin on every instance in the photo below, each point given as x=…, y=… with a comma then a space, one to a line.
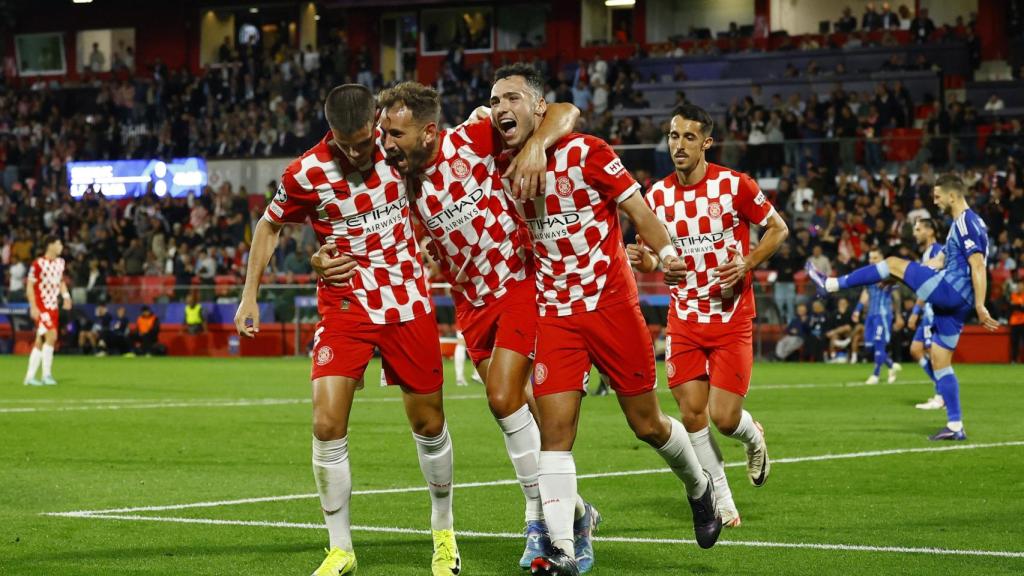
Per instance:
x=947, y=434
x=818, y=278
x=583, y=533
x=537, y=542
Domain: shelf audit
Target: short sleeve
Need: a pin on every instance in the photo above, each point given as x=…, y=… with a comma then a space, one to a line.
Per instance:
x=34, y=271
x=751, y=202
x=481, y=137
x=974, y=237
x=292, y=204
x=603, y=170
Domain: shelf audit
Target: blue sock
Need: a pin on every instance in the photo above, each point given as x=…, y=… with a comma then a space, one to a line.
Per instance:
x=881, y=357
x=926, y=365
x=871, y=274
x=949, y=388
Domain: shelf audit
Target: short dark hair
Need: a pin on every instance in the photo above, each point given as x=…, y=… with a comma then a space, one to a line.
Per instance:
x=49, y=239
x=349, y=108
x=952, y=183
x=697, y=114
x=422, y=101
x=928, y=223
x=533, y=77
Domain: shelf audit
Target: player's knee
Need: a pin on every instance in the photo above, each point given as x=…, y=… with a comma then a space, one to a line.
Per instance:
x=653, y=431
x=916, y=350
x=325, y=428
x=694, y=422
x=897, y=266
x=726, y=420
x=429, y=427
x=504, y=402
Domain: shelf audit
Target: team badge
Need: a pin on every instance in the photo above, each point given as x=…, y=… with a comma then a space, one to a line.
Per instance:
x=540, y=374
x=563, y=186
x=670, y=369
x=715, y=210
x=460, y=168
x=324, y=356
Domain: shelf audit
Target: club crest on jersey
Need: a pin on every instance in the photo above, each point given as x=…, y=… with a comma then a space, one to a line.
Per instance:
x=540, y=374
x=460, y=168
x=614, y=167
x=563, y=186
x=715, y=210
x=324, y=356
x=670, y=369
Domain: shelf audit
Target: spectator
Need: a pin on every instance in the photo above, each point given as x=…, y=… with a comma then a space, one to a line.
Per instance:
x=994, y=104
x=786, y=264
x=839, y=330
x=796, y=334
x=888, y=20
x=870, y=21
x=847, y=23
x=145, y=338
x=91, y=339
x=195, y=323
x=116, y=339
x=820, y=261
x=16, y=282
x=922, y=27
x=817, y=325
x=1017, y=323
x=97, y=61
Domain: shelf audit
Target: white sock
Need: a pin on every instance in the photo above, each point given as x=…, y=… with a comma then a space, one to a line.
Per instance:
x=746, y=432
x=955, y=426
x=47, y=360
x=557, y=478
x=460, y=362
x=33, y=363
x=437, y=466
x=580, y=509
x=832, y=284
x=679, y=455
x=522, y=440
x=710, y=457
x=334, y=483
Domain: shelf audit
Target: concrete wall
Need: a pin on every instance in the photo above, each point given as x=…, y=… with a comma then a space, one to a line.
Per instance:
x=667, y=17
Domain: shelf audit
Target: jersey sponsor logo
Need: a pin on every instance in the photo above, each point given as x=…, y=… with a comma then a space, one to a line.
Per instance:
x=614, y=167
x=276, y=210
x=460, y=168
x=563, y=186
x=324, y=356
x=552, y=227
x=458, y=213
x=379, y=219
x=540, y=374
x=760, y=199
x=715, y=210
x=282, y=195
x=968, y=244
x=699, y=244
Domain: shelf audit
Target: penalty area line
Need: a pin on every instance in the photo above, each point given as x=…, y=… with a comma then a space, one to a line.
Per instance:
x=516, y=536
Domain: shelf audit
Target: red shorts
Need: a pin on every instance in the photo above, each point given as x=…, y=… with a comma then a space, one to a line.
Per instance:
x=723, y=351
x=47, y=321
x=410, y=351
x=509, y=323
x=615, y=339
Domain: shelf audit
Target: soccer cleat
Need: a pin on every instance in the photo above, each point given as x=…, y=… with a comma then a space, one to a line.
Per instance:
x=946, y=434
x=558, y=563
x=338, y=562
x=707, y=523
x=583, y=531
x=818, y=278
x=446, y=560
x=477, y=378
x=730, y=517
x=537, y=543
x=49, y=381
x=461, y=382
x=872, y=380
x=934, y=403
x=893, y=371
x=758, y=464
x=33, y=382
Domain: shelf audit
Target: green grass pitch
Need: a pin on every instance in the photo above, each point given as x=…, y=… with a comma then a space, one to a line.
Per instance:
x=120, y=434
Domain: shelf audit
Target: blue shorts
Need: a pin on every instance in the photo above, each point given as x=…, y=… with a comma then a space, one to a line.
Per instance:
x=951, y=310
x=924, y=333
x=877, y=329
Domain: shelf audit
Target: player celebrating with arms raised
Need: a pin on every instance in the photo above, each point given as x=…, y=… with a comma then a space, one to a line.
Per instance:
x=589, y=311
x=953, y=291
x=356, y=202
x=709, y=352
x=44, y=285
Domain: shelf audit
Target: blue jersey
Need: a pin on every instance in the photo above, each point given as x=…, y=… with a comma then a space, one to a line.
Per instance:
x=968, y=235
x=880, y=302
x=927, y=313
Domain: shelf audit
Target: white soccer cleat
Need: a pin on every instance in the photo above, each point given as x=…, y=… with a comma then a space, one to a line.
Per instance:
x=758, y=463
x=934, y=403
x=477, y=378
x=730, y=515
x=872, y=380
x=893, y=371
x=461, y=382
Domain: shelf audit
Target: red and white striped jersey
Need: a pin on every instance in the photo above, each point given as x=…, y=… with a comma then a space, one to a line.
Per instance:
x=577, y=241
x=703, y=221
x=365, y=214
x=47, y=277
x=468, y=216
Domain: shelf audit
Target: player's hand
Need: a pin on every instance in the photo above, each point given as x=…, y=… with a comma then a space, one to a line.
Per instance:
x=335, y=271
x=912, y=322
x=247, y=318
x=637, y=255
x=527, y=172
x=733, y=271
x=855, y=317
x=986, y=319
x=897, y=324
x=34, y=314
x=675, y=270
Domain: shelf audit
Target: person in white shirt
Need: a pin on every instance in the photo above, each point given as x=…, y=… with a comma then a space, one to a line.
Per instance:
x=994, y=104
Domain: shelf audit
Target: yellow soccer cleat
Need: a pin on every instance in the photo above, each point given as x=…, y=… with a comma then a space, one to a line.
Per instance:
x=338, y=562
x=446, y=560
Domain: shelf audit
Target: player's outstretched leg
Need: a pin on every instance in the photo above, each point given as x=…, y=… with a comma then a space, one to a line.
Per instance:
x=864, y=276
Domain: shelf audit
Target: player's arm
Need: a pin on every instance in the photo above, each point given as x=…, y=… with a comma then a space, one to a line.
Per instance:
x=897, y=316
x=30, y=292
x=65, y=294
x=861, y=303
x=334, y=269
x=527, y=171
x=775, y=233
x=264, y=242
x=640, y=257
x=915, y=314
x=654, y=234
x=979, y=280
x=938, y=262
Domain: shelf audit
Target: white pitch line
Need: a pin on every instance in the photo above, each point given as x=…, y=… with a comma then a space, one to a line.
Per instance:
x=202, y=404
x=377, y=491
x=516, y=536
